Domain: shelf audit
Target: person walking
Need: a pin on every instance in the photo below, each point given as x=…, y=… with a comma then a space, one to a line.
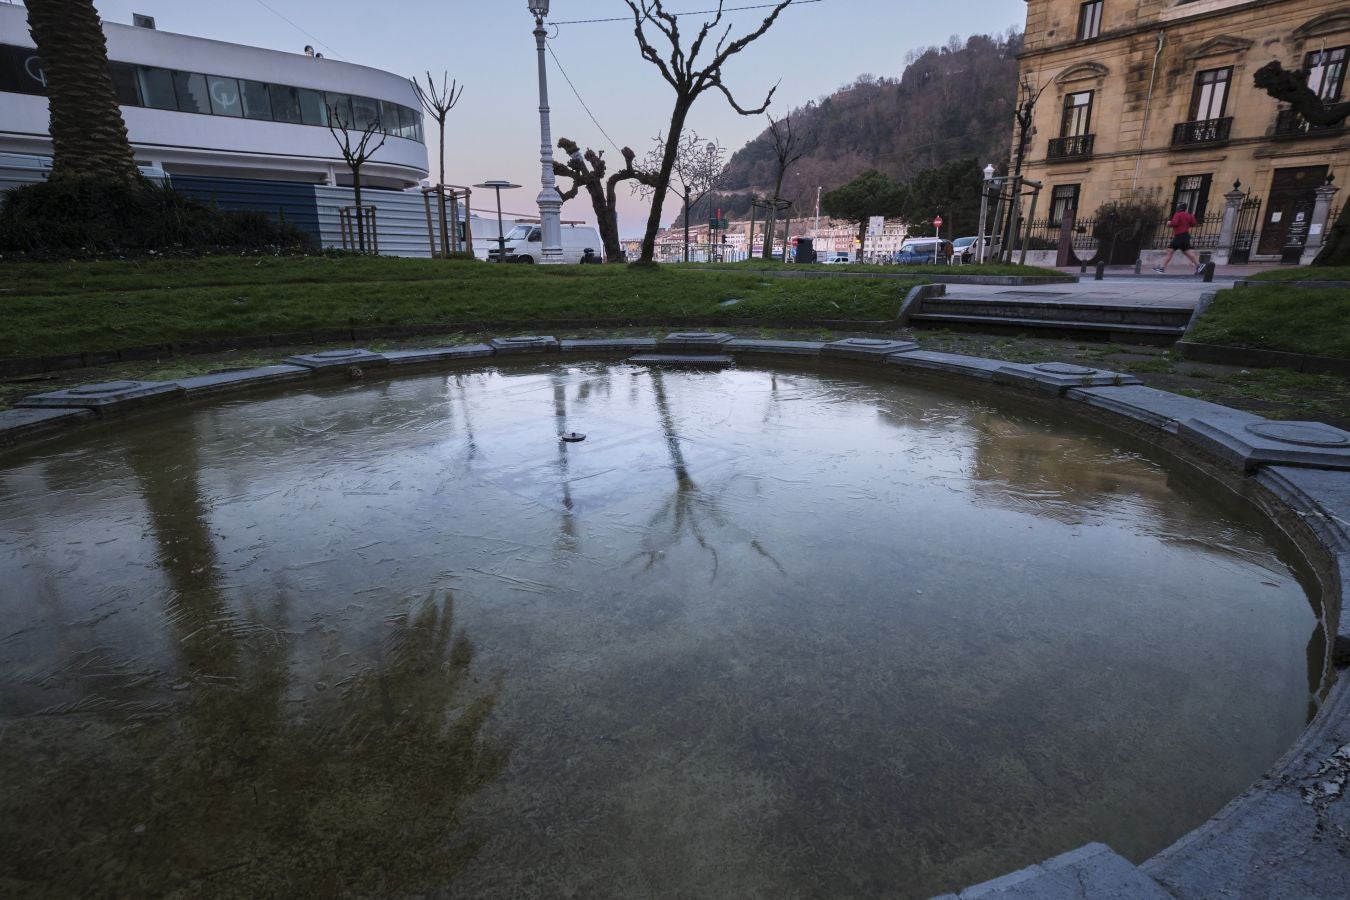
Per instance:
x=1181, y=222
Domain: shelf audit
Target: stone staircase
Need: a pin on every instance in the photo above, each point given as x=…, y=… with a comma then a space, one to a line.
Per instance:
x=1053, y=312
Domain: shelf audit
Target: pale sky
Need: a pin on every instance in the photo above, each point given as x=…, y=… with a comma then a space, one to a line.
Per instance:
x=488, y=45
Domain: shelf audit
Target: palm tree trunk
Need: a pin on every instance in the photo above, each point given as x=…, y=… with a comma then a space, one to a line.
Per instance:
x=89, y=138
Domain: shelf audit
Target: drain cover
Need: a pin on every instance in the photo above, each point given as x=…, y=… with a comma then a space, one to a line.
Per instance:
x=573, y=437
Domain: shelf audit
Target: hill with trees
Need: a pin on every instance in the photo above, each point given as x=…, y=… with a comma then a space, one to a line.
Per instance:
x=951, y=102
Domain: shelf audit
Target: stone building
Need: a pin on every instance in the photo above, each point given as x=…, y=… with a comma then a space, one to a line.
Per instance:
x=1153, y=99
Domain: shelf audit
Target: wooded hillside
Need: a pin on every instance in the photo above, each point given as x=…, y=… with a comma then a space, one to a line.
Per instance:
x=951, y=102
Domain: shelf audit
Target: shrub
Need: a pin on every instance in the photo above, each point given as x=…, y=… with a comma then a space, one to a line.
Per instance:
x=1132, y=221
x=91, y=217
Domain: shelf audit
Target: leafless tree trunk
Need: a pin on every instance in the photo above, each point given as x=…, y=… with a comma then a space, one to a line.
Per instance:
x=788, y=147
x=588, y=170
x=356, y=151
x=89, y=137
x=680, y=71
x=438, y=101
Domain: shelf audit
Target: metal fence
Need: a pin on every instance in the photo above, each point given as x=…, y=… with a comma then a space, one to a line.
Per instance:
x=1043, y=234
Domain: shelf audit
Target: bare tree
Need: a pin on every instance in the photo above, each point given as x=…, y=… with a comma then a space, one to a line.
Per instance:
x=788, y=147
x=694, y=173
x=438, y=101
x=356, y=151
x=680, y=71
x=588, y=170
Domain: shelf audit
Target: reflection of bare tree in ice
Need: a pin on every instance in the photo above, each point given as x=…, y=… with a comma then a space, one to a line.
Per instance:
x=689, y=510
x=468, y=419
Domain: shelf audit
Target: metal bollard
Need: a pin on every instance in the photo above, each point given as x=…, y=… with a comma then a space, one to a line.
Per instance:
x=1101, y=270
x=1207, y=275
x=1138, y=265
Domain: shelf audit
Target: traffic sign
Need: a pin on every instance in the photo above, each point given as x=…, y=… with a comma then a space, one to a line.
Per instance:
x=937, y=221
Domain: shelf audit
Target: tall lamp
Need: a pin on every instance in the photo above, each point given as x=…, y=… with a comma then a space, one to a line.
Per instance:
x=550, y=201
x=984, y=210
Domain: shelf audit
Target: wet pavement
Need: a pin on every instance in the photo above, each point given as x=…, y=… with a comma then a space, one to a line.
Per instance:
x=759, y=634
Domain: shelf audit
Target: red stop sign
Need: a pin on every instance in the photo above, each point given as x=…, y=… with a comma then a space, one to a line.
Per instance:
x=937, y=221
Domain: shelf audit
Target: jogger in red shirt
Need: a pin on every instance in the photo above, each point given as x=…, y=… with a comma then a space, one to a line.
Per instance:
x=1182, y=222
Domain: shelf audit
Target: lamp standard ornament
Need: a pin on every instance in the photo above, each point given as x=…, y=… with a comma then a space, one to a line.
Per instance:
x=550, y=201
x=713, y=213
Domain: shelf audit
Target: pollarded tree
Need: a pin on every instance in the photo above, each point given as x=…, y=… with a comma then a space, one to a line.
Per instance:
x=89, y=138
x=681, y=71
x=870, y=194
x=588, y=170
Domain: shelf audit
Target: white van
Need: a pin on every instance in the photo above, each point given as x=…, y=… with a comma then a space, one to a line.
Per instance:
x=524, y=244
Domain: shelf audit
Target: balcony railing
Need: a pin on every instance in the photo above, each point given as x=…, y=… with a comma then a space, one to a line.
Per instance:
x=1201, y=132
x=1288, y=123
x=1076, y=146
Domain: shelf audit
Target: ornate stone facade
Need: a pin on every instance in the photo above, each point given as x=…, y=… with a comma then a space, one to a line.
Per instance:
x=1153, y=99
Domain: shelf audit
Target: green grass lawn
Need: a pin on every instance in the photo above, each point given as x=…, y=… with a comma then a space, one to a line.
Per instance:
x=1305, y=273
x=1296, y=320
x=52, y=308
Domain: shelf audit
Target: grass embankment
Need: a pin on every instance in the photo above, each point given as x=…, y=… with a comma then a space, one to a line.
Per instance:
x=1305, y=273
x=56, y=308
x=1314, y=321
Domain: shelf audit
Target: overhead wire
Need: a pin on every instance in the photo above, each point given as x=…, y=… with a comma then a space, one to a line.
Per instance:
x=301, y=30
x=559, y=64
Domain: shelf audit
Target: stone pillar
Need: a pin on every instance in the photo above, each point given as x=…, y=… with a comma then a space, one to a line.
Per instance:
x=1232, y=203
x=1317, y=230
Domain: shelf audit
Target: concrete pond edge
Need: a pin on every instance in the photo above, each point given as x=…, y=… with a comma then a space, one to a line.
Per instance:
x=1286, y=835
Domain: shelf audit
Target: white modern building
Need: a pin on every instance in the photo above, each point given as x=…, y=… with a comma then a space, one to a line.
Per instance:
x=195, y=106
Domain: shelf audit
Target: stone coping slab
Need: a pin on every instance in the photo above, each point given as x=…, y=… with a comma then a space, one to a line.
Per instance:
x=693, y=340
x=436, y=355
x=1287, y=836
x=867, y=348
x=1092, y=872
x=609, y=345
x=524, y=343
x=947, y=364
x=333, y=360
x=1058, y=377
x=107, y=396
x=1160, y=409
x=205, y=385
x=23, y=424
x=683, y=360
x=1248, y=445
x=774, y=348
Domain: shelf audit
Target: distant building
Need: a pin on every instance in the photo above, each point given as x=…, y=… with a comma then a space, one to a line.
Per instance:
x=195, y=106
x=1154, y=98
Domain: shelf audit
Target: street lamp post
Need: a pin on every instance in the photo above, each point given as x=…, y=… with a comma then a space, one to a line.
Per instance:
x=712, y=198
x=984, y=210
x=497, y=186
x=550, y=201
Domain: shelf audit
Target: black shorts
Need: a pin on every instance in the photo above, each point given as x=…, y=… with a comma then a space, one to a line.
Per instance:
x=1181, y=241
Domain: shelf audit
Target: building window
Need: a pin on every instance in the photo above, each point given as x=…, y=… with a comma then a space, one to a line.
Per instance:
x=313, y=109
x=1326, y=72
x=124, y=84
x=1063, y=198
x=157, y=87
x=1077, y=120
x=1209, y=98
x=1193, y=190
x=285, y=103
x=191, y=90
x=224, y=93
x=1090, y=20
x=257, y=102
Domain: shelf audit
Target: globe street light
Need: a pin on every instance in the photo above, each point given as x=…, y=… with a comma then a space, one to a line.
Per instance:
x=550, y=201
x=984, y=209
x=497, y=186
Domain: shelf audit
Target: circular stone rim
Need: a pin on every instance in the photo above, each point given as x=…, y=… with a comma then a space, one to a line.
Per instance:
x=1272, y=431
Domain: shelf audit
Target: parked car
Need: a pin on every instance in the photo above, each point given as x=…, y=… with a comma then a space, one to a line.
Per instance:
x=965, y=248
x=919, y=252
x=524, y=244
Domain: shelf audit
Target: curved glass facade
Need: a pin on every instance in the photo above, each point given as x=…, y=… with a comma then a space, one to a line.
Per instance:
x=222, y=95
